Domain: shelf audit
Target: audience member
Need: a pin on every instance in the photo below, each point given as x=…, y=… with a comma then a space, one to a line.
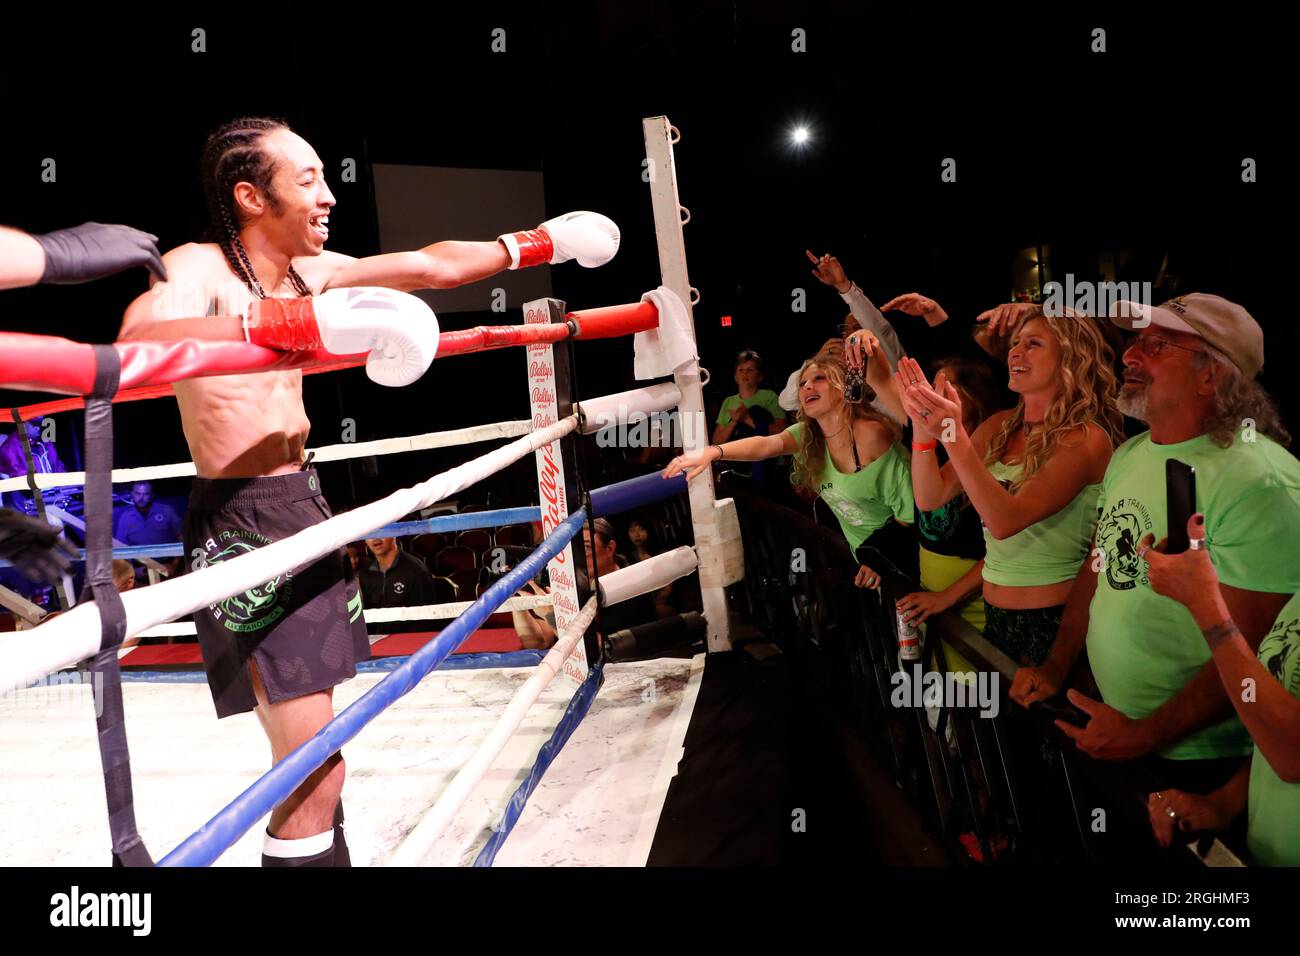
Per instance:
x=951, y=557
x=123, y=575
x=753, y=410
x=394, y=578
x=1032, y=472
x=536, y=627
x=148, y=521
x=45, y=461
x=849, y=455
x=1267, y=786
x=1190, y=375
x=644, y=542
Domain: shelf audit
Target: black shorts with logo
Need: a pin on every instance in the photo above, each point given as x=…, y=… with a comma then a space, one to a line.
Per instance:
x=304, y=629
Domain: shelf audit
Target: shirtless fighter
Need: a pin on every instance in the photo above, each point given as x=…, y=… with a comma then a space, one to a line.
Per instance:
x=279, y=649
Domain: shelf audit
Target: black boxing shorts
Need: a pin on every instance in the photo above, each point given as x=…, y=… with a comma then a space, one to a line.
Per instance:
x=304, y=629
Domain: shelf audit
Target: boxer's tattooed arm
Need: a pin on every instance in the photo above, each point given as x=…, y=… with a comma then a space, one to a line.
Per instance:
x=1218, y=633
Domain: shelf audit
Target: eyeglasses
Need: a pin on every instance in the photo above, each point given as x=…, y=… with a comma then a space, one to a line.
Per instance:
x=1152, y=346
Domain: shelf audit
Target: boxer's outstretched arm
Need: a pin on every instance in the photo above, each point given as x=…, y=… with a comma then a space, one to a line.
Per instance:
x=588, y=237
x=443, y=265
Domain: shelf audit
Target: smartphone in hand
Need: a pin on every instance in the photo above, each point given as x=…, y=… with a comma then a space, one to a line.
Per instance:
x=1062, y=710
x=853, y=382
x=1180, y=503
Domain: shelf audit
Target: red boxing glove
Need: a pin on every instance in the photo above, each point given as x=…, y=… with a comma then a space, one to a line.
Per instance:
x=286, y=324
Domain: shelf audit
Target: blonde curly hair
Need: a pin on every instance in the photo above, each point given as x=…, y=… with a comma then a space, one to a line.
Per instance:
x=810, y=458
x=1087, y=394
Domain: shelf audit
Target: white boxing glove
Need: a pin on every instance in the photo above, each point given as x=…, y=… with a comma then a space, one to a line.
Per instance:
x=398, y=329
x=589, y=237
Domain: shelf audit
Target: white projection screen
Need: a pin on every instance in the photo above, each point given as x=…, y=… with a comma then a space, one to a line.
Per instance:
x=420, y=205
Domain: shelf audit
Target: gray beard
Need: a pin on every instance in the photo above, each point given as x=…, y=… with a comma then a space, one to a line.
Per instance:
x=1134, y=405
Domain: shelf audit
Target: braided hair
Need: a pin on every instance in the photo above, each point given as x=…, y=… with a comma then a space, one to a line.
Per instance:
x=234, y=154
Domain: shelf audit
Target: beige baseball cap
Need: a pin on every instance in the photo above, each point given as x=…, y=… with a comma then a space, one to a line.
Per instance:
x=1223, y=324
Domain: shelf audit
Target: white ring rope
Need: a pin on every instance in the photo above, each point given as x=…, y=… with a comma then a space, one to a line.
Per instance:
x=421, y=839
x=75, y=635
x=384, y=615
x=340, y=452
x=648, y=576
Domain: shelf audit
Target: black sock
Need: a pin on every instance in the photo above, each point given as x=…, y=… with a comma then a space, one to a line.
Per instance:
x=341, y=855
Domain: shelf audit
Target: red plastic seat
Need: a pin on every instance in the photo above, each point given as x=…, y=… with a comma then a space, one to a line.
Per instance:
x=476, y=539
x=455, y=558
x=426, y=546
x=519, y=535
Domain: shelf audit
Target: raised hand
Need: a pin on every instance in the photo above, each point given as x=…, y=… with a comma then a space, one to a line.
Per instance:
x=828, y=270
x=930, y=408
x=1002, y=319
x=913, y=303
x=860, y=345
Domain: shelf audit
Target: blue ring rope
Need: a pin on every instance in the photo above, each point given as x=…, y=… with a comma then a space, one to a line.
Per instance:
x=205, y=845
x=611, y=499
x=577, y=709
x=216, y=836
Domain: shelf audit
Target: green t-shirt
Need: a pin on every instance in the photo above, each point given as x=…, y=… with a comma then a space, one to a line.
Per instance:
x=1143, y=647
x=865, y=501
x=1273, y=830
x=1048, y=551
x=763, y=398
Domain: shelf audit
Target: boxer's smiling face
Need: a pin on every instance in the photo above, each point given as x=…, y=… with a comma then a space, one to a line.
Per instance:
x=296, y=214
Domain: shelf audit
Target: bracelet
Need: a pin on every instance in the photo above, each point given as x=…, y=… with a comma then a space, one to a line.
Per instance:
x=925, y=446
x=720, y=454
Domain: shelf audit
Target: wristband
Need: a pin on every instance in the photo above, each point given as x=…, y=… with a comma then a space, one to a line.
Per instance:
x=924, y=446
x=285, y=324
x=720, y=453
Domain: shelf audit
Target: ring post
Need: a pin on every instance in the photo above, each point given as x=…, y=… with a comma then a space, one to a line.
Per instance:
x=717, y=530
x=550, y=397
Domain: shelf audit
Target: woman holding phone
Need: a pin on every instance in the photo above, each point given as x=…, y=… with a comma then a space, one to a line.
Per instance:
x=848, y=454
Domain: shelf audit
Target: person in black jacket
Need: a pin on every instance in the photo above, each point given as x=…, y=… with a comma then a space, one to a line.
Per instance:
x=394, y=578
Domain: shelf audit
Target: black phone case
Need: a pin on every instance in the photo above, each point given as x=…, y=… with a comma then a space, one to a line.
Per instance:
x=1180, y=503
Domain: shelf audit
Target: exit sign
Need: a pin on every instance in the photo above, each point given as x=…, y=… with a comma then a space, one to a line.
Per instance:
x=726, y=321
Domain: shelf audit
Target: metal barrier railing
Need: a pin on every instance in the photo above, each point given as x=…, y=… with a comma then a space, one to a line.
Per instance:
x=992, y=781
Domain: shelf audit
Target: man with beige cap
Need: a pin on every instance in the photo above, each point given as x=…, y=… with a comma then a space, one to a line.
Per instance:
x=1190, y=375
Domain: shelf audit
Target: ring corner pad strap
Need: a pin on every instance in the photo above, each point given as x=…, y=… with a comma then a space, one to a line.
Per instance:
x=110, y=720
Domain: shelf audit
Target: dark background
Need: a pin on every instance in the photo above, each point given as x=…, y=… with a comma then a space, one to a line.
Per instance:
x=1136, y=152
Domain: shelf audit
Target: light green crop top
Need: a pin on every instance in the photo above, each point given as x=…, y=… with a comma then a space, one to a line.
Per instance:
x=1048, y=551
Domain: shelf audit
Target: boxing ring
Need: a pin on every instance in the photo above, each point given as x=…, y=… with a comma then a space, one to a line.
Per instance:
x=479, y=753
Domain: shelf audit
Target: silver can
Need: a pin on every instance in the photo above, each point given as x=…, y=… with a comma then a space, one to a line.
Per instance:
x=909, y=639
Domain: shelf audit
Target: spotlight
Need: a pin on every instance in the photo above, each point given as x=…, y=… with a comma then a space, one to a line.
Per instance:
x=800, y=135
